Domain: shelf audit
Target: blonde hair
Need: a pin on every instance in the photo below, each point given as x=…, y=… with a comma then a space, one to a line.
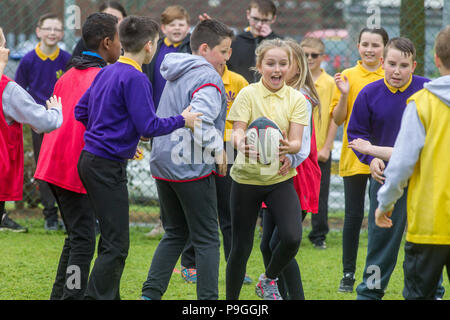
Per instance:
x=314, y=43
x=174, y=12
x=265, y=46
x=304, y=80
x=442, y=46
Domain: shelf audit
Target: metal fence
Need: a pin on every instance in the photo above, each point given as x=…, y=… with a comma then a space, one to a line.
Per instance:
x=337, y=23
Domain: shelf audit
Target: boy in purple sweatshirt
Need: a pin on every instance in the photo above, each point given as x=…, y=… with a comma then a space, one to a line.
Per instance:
x=372, y=130
x=117, y=110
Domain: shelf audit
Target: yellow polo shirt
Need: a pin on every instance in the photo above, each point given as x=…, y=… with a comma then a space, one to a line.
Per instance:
x=358, y=78
x=233, y=83
x=325, y=88
x=283, y=107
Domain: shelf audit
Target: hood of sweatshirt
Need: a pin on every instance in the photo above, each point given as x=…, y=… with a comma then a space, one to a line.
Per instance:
x=440, y=88
x=177, y=64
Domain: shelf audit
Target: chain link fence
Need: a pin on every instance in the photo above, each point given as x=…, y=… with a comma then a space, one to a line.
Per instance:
x=337, y=23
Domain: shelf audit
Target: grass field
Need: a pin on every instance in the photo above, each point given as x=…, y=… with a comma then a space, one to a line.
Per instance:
x=28, y=265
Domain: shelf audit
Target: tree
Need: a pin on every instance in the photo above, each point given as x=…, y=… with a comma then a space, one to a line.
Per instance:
x=412, y=26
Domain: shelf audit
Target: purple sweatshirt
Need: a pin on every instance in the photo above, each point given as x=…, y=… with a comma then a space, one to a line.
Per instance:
x=117, y=110
x=377, y=114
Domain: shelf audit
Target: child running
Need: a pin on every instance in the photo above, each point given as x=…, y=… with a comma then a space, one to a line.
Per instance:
x=306, y=182
x=349, y=83
x=117, y=110
x=255, y=183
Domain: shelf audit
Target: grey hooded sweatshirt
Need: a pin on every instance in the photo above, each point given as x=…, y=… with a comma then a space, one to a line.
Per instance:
x=183, y=155
x=407, y=147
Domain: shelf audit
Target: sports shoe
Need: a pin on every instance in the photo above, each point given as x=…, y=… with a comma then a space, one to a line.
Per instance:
x=267, y=289
x=157, y=232
x=347, y=283
x=51, y=225
x=247, y=279
x=320, y=245
x=189, y=275
x=7, y=224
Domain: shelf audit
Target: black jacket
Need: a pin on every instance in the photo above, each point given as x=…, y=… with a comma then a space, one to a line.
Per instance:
x=184, y=47
x=243, y=56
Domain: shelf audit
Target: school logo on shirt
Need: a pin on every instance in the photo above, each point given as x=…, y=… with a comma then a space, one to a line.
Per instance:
x=230, y=98
x=59, y=73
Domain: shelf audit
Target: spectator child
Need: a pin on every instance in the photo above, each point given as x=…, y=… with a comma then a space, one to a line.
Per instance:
x=355, y=174
x=37, y=73
x=325, y=130
x=261, y=14
x=175, y=27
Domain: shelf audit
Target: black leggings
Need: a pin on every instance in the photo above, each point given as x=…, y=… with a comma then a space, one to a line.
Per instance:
x=355, y=192
x=289, y=281
x=246, y=201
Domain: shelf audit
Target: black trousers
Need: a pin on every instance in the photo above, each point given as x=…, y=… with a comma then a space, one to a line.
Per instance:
x=106, y=184
x=47, y=198
x=223, y=190
x=289, y=282
x=423, y=267
x=246, y=201
x=188, y=211
x=79, y=246
x=319, y=221
x=354, y=192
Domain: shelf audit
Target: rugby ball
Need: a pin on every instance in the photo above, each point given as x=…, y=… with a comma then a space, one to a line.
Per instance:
x=264, y=135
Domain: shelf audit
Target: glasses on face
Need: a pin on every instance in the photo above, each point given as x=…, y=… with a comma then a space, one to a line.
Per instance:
x=56, y=30
x=262, y=21
x=312, y=55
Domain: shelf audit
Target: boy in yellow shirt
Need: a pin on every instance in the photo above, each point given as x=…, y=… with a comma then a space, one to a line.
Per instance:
x=325, y=130
x=420, y=156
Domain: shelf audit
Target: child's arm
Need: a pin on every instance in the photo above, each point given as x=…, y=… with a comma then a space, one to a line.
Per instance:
x=324, y=153
x=4, y=53
x=20, y=107
x=365, y=147
x=81, y=109
x=340, y=111
x=406, y=152
x=292, y=143
x=239, y=141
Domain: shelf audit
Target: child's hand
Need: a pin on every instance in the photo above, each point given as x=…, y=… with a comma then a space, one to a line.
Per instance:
x=54, y=103
x=342, y=83
x=286, y=147
x=139, y=155
x=4, y=54
x=221, y=161
x=204, y=16
x=285, y=166
x=2, y=39
x=248, y=150
x=191, y=118
x=265, y=30
x=382, y=219
x=377, y=170
x=360, y=145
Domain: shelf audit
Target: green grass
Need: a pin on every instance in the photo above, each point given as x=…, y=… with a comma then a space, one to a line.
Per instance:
x=28, y=265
